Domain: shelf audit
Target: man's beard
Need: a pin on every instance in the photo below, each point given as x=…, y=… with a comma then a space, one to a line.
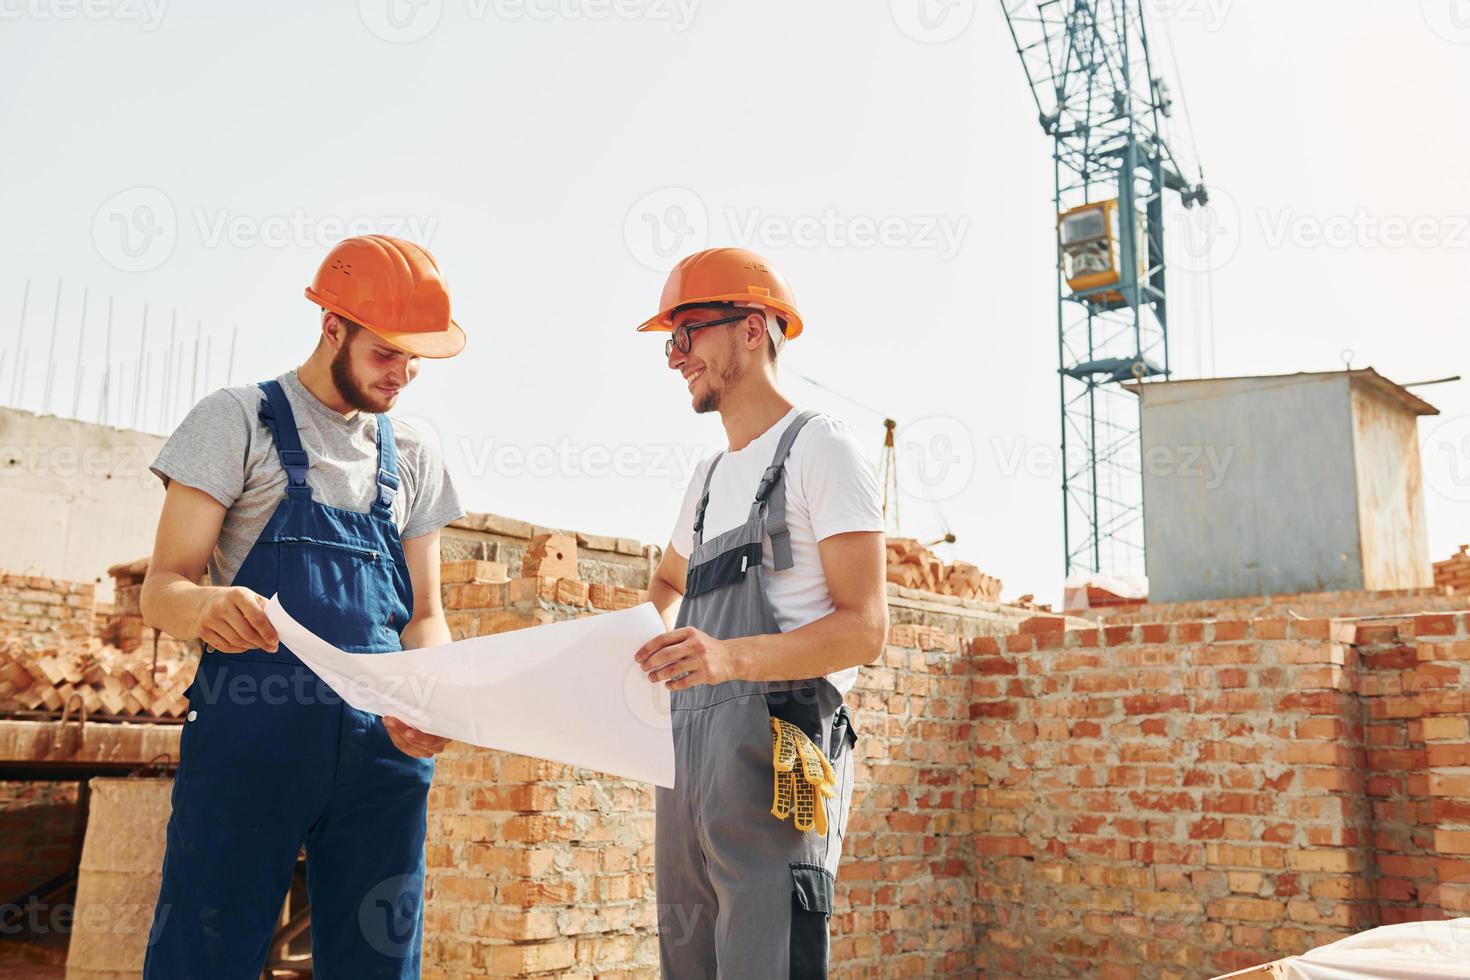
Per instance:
x=710, y=400
x=353, y=391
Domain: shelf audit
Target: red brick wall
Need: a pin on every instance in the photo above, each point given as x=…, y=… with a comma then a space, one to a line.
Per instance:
x=1181, y=799
x=37, y=821
x=58, y=609
x=1138, y=800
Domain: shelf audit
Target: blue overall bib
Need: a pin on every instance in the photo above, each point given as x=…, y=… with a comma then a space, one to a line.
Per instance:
x=271, y=758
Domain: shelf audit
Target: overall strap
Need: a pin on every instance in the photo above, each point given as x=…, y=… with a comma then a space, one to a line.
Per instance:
x=387, y=466
x=770, y=496
x=704, y=500
x=276, y=413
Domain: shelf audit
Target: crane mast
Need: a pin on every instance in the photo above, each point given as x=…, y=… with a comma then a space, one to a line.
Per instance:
x=1098, y=97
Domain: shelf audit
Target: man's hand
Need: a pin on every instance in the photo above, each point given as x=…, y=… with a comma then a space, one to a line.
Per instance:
x=233, y=620
x=696, y=655
x=411, y=741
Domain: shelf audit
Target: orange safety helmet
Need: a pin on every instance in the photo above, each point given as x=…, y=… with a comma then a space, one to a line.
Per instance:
x=726, y=275
x=393, y=288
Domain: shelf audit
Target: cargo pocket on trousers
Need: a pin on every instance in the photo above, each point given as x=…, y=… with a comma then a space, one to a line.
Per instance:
x=811, y=907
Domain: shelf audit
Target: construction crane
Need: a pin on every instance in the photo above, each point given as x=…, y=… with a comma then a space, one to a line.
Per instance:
x=1100, y=99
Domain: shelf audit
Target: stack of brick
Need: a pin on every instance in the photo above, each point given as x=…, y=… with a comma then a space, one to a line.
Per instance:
x=1454, y=571
x=912, y=566
x=122, y=626
x=45, y=611
x=101, y=680
x=51, y=655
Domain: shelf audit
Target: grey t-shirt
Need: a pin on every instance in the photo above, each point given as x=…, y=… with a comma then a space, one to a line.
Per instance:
x=223, y=448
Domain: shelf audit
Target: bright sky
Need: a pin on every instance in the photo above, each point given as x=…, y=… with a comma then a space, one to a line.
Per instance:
x=557, y=154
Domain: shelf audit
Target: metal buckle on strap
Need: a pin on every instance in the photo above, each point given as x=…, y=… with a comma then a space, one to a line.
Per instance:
x=387, y=488
x=768, y=483
x=294, y=462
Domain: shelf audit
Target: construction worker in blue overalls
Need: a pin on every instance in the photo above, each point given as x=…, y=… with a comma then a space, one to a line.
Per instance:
x=777, y=570
x=301, y=486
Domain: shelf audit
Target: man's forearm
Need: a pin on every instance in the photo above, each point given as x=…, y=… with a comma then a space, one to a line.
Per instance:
x=842, y=639
x=172, y=604
x=665, y=599
x=428, y=630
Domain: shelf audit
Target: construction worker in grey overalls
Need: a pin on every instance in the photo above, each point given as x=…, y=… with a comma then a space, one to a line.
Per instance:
x=302, y=486
x=777, y=570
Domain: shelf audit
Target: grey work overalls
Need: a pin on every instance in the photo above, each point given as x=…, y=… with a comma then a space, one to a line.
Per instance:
x=743, y=895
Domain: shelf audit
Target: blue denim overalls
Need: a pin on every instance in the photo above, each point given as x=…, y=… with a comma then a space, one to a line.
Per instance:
x=270, y=758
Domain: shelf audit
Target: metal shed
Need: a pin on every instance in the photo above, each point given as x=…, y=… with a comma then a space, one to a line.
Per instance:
x=1305, y=482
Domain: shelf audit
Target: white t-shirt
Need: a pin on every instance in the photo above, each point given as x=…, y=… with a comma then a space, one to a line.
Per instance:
x=831, y=488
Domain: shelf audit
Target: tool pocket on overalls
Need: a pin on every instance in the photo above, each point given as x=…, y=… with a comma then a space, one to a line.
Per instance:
x=844, y=734
x=811, y=907
x=803, y=779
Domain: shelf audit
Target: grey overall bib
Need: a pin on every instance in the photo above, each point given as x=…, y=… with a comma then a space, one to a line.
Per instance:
x=743, y=895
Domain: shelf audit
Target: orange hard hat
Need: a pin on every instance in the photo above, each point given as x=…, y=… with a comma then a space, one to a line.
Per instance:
x=393, y=288
x=726, y=275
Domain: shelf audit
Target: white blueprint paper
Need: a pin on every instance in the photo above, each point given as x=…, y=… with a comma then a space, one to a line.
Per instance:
x=569, y=692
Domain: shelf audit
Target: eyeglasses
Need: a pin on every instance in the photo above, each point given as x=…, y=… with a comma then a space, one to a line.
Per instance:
x=684, y=342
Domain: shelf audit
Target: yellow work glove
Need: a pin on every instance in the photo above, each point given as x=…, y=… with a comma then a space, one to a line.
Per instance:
x=804, y=777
